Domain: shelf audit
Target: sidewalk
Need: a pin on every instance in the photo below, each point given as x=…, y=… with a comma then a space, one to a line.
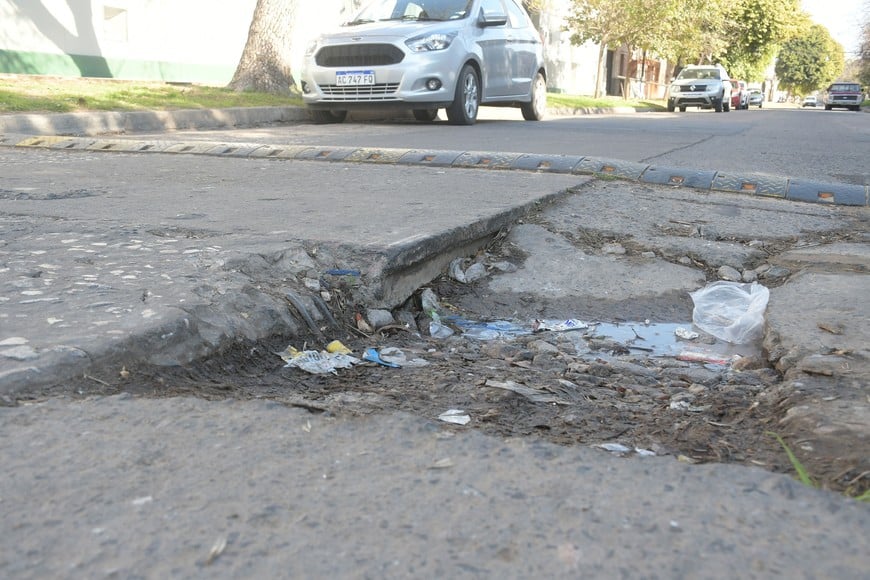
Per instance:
x=110, y=256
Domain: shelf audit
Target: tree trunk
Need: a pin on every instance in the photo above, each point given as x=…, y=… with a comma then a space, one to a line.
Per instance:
x=599, y=76
x=265, y=63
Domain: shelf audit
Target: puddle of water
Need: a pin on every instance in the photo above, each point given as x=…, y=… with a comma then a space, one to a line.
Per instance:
x=655, y=339
x=660, y=339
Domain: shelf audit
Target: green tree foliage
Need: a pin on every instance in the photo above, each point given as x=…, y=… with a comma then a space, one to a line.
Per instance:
x=810, y=61
x=691, y=31
x=755, y=31
x=658, y=26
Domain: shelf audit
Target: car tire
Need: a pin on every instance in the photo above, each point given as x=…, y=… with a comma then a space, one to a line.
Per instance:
x=827, y=108
x=682, y=109
x=426, y=115
x=322, y=117
x=717, y=105
x=671, y=107
x=466, y=99
x=536, y=108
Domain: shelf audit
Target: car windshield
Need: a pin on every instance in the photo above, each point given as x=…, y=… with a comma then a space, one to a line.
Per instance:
x=413, y=10
x=844, y=87
x=699, y=73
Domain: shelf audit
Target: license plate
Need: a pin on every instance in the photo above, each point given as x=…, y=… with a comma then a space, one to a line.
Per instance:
x=354, y=78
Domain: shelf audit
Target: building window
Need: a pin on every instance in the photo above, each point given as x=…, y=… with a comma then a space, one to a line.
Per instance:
x=115, y=24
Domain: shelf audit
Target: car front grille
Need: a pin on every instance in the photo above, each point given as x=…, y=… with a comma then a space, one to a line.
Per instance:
x=359, y=55
x=693, y=101
x=698, y=88
x=379, y=92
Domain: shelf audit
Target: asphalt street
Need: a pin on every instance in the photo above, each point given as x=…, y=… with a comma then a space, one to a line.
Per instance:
x=116, y=251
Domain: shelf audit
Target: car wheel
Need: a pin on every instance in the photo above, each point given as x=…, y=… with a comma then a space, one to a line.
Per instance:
x=717, y=105
x=827, y=108
x=682, y=109
x=671, y=107
x=536, y=108
x=321, y=117
x=466, y=100
x=426, y=115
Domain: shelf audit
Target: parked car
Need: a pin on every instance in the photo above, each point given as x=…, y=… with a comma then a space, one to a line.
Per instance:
x=739, y=95
x=810, y=101
x=703, y=86
x=426, y=55
x=756, y=98
x=846, y=95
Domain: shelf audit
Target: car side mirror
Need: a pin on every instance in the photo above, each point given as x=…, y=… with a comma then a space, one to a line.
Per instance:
x=491, y=19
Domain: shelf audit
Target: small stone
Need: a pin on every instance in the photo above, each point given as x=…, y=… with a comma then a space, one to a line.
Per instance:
x=506, y=267
x=378, y=318
x=709, y=233
x=649, y=255
x=728, y=273
x=750, y=276
x=613, y=248
x=776, y=273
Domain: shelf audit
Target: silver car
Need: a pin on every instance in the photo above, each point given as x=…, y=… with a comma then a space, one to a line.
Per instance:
x=426, y=55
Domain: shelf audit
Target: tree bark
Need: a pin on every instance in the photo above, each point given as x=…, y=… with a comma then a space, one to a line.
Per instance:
x=600, y=72
x=265, y=62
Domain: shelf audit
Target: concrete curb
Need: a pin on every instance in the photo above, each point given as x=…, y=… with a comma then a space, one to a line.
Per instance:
x=753, y=184
x=141, y=121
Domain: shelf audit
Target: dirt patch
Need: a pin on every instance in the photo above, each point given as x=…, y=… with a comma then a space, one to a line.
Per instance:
x=569, y=388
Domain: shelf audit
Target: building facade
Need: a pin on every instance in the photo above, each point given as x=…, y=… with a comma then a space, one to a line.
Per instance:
x=163, y=40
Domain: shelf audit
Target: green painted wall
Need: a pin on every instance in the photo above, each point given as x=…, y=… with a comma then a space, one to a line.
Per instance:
x=19, y=62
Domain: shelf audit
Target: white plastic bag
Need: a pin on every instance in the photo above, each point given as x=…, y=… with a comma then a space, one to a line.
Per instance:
x=731, y=311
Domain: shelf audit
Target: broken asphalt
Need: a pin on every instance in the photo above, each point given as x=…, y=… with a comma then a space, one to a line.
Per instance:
x=118, y=251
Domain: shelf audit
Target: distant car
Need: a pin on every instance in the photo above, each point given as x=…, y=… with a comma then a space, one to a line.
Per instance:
x=702, y=86
x=739, y=95
x=845, y=95
x=426, y=55
x=810, y=101
x=756, y=98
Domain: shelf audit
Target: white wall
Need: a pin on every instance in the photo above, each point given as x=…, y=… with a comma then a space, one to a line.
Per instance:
x=201, y=32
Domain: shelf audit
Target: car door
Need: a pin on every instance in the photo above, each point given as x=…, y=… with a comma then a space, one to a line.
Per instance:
x=523, y=47
x=493, y=42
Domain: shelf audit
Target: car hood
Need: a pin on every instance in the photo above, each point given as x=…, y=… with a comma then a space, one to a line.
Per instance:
x=387, y=31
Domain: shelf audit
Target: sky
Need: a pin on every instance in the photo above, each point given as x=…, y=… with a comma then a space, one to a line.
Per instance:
x=842, y=18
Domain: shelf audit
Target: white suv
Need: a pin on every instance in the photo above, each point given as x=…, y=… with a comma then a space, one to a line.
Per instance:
x=846, y=95
x=703, y=86
x=426, y=55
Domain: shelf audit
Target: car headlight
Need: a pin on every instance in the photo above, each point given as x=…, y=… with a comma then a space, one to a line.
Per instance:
x=675, y=88
x=430, y=42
